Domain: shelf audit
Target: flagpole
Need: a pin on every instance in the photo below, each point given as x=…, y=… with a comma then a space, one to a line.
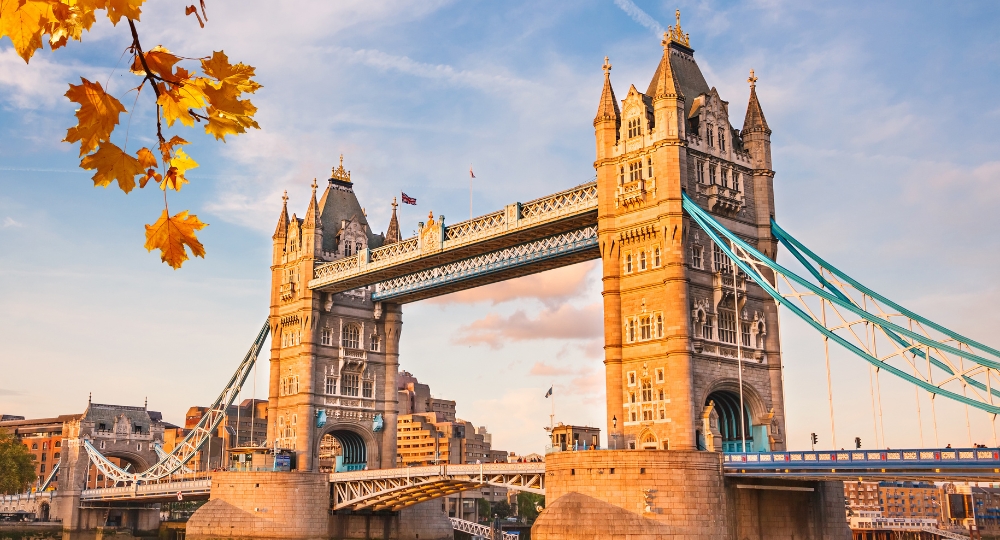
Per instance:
x=552, y=423
x=470, y=191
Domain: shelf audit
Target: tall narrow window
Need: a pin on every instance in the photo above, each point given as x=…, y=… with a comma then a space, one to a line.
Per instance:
x=722, y=139
x=331, y=386
x=647, y=390
x=745, y=333
x=711, y=174
x=642, y=260
x=326, y=337
x=349, y=385
x=661, y=390
x=375, y=342
x=700, y=167
x=635, y=171
x=347, y=249
x=367, y=389
x=631, y=330
x=708, y=133
x=649, y=164
x=656, y=257
x=621, y=179
x=720, y=261
x=645, y=328
x=659, y=330
x=706, y=328
x=350, y=336
x=727, y=326
x=628, y=263
x=725, y=177
x=696, y=256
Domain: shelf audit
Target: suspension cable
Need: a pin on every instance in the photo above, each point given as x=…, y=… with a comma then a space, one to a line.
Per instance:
x=878, y=387
x=829, y=379
x=871, y=371
x=968, y=425
x=739, y=353
x=916, y=395
x=930, y=377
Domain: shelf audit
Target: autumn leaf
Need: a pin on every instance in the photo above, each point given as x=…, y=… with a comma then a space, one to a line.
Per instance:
x=179, y=164
x=146, y=158
x=160, y=61
x=219, y=68
x=96, y=117
x=24, y=23
x=113, y=164
x=171, y=234
x=177, y=99
x=123, y=8
x=69, y=21
x=167, y=147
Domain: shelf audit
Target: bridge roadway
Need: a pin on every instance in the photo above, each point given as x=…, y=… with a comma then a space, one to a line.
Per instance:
x=523, y=238
x=394, y=489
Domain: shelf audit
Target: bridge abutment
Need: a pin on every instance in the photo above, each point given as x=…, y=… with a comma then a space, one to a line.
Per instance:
x=681, y=495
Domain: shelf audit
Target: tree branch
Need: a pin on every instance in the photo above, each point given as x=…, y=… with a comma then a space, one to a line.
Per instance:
x=142, y=57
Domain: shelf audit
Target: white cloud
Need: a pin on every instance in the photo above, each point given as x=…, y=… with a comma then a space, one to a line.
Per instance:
x=9, y=222
x=641, y=17
x=38, y=85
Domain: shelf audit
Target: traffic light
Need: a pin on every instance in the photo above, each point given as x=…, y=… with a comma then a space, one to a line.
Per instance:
x=812, y=437
x=857, y=442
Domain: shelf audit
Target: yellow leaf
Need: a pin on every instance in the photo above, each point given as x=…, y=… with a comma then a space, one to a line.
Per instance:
x=167, y=147
x=24, y=23
x=160, y=61
x=68, y=21
x=113, y=164
x=171, y=234
x=218, y=67
x=124, y=8
x=96, y=117
x=179, y=165
x=175, y=100
x=146, y=158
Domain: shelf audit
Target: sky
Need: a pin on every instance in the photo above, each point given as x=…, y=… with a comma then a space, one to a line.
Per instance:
x=884, y=141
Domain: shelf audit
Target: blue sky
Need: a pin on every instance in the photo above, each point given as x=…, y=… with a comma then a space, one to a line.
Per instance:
x=884, y=144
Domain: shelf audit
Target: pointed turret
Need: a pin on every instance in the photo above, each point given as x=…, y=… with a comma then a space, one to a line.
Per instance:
x=755, y=116
x=392, y=233
x=608, y=119
x=607, y=110
x=664, y=84
x=668, y=98
x=281, y=231
x=312, y=220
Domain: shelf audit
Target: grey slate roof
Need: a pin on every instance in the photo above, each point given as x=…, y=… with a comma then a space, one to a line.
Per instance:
x=686, y=73
x=337, y=204
x=100, y=413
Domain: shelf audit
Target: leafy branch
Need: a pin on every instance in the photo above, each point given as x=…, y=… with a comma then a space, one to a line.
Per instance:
x=214, y=97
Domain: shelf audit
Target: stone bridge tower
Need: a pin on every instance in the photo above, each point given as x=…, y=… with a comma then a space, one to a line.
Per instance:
x=334, y=357
x=676, y=317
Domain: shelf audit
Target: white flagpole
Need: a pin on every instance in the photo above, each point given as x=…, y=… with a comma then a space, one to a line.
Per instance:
x=470, y=191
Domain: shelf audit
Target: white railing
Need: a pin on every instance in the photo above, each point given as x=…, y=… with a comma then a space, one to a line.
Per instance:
x=514, y=217
x=140, y=491
x=476, y=529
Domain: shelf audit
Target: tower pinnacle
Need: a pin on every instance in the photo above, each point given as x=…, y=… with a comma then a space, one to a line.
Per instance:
x=755, y=115
x=392, y=234
x=675, y=34
x=281, y=231
x=607, y=110
x=339, y=173
x=312, y=220
x=752, y=80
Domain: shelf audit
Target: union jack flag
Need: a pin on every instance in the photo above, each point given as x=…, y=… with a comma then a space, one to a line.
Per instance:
x=409, y=200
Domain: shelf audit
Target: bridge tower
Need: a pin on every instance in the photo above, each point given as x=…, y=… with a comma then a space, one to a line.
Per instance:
x=676, y=317
x=334, y=357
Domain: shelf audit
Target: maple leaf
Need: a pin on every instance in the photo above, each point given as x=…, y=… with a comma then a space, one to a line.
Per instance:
x=146, y=158
x=124, y=8
x=68, y=21
x=167, y=147
x=96, y=117
x=218, y=67
x=177, y=99
x=171, y=234
x=113, y=164
x=179, y=165
x=160, y=61
x=24, y=23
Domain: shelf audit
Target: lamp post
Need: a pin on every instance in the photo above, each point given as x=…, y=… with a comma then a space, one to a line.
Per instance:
x=614, y=436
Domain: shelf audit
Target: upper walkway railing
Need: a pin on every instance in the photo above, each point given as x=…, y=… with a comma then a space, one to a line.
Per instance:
x=438, y=244
x=186, y=488
x=476, y=529
x=945, y=463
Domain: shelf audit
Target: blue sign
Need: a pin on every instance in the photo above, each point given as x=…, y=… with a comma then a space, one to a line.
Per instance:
x=377, y=423
x=321, y=418
x=283, y=462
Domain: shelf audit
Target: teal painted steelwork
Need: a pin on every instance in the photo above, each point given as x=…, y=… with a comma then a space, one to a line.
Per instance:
x=716, y=232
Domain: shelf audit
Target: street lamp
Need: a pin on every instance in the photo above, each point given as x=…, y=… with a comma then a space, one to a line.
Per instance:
x=614, y=436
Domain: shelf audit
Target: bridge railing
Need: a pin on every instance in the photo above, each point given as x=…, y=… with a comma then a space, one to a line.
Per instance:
x=477, y=529
x=940, y=458
x=440, y=470
x=185, y=487
x=515, y=216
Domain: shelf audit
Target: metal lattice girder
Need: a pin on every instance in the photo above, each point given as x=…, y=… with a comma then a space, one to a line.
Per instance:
x=533, y=257
x=518, y=223
x=185, y=450
x=864, y=322
x=394, y=489
x=476, y=529
x=158, y=491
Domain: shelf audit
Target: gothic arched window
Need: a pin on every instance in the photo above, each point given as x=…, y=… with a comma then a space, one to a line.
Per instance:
x=631, y=330
x=659, y=326
x=647, y=390
x=350, y=336
x=628, y=263
x=656, y=257
x=642, y=260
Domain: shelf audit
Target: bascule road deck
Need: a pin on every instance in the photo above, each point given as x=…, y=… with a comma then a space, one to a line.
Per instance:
x=521, y=239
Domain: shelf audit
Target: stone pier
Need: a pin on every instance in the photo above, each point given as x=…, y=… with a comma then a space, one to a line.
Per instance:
x=296, y=506
x=679, y=495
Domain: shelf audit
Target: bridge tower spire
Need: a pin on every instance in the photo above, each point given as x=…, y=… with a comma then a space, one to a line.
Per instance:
x=757, y=140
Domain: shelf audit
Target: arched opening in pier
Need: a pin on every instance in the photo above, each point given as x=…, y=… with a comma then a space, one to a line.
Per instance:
x=733, y=431
x=342, y=450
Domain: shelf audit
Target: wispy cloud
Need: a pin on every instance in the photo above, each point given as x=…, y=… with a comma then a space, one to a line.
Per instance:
x=640, y=16
x=564, y=322
x=551, y=288
x=9, y=222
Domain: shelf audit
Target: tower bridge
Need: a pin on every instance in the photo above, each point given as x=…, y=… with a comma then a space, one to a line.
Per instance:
x=683, y=221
